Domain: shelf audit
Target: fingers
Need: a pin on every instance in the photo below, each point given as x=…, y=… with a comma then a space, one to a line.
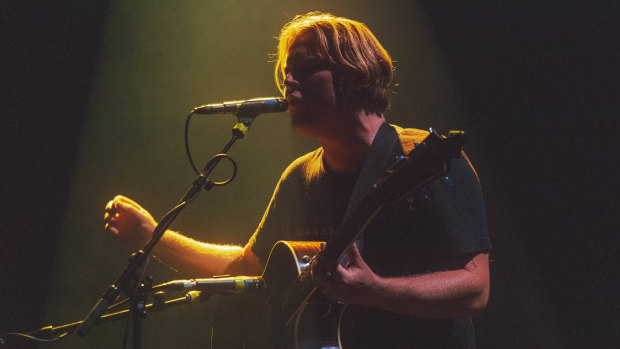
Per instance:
x=110, y=211
x=113, y=210
x=109, y=218
x=111, y=229
x=324, y=280
x=127, y=202
x=328, y=277
x=318, y=273
x=127, y=221
x=343, y=284
x=355, y=258
x=110, y=205
x=121, y=203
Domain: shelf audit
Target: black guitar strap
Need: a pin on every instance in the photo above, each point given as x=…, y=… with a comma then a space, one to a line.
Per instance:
x=382, y=154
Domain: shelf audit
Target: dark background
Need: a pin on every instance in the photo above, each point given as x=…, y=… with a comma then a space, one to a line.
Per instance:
x=539, y=83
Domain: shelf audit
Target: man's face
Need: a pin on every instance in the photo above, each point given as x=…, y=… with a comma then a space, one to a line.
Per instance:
x=309, y=88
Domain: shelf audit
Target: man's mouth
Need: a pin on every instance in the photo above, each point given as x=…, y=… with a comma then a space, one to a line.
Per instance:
x=293, y=98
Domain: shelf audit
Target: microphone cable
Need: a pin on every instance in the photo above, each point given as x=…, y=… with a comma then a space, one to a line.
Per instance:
x=216, y=158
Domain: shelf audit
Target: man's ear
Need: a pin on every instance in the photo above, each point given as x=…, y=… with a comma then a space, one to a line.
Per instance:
x=348, y=88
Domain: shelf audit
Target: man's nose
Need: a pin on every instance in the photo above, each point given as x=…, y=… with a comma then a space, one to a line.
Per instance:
x=289, y=80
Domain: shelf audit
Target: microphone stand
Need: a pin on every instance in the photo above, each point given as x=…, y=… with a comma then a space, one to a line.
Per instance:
x=128, y=282
x=53, y=333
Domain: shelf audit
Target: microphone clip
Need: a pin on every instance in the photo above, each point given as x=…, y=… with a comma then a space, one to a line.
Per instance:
x=242, y=126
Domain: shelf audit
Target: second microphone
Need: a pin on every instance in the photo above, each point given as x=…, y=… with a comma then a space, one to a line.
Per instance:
x=211, y=286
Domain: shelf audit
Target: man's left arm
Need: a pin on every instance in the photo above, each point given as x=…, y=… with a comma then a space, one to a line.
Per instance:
x=462, y=290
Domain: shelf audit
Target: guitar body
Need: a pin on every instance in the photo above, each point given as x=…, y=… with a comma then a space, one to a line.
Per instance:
x=261, y=321
x=257, y=320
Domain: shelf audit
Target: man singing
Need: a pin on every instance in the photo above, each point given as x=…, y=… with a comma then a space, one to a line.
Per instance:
x=422, y=263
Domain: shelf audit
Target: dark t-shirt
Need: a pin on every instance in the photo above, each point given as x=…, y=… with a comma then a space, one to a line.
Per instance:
x=308, y=204
x=431, y=228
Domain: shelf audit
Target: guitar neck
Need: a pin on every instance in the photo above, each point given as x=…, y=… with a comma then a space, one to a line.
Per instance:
x=424, y=163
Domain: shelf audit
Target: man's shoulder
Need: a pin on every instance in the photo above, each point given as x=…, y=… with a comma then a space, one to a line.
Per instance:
x=304, y=165
x=410, y=137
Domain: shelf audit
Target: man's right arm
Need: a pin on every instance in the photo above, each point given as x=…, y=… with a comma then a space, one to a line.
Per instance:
x=126, y=220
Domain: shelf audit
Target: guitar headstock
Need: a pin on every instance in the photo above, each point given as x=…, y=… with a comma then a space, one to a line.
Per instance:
x=456, y=140
x=442, y=147
x=425, y=162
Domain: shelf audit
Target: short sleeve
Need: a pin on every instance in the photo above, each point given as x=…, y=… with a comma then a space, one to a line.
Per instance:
x=267, y=234
x=454, y=209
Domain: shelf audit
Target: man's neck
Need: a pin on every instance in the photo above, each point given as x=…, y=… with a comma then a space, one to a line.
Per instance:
x=346, y=151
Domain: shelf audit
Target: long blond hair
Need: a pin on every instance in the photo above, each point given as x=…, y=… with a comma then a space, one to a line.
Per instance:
x=350, y=47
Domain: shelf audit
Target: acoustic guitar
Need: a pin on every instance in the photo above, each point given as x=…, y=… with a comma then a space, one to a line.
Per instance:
x=291, y=313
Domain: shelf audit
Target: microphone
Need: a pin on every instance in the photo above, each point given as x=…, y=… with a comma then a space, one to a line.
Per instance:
x=222, y=285
x=249, y=108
